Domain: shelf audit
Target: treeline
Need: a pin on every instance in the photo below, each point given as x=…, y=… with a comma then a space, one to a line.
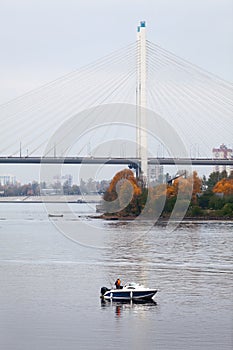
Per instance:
x=217, y=197
x=36, y=189
x=212, y=197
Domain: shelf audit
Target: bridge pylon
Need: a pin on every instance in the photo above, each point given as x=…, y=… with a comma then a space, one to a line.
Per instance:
x=141, y=137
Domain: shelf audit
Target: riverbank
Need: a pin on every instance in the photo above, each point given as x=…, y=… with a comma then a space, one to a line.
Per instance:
x=162, y=219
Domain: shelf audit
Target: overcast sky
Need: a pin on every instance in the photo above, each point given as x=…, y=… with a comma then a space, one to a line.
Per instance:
x=41, y=40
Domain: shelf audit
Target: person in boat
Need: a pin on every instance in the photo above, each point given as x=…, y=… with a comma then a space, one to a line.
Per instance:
x=118, y=284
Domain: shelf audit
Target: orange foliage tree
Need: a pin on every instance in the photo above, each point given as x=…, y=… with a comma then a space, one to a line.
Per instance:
x=121, y=177
x=125, y=197
x=185, y=185
x=123, y=192
x=224, y=186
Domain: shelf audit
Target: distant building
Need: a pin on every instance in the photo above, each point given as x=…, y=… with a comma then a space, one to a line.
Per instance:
x=155, y=173
x=64, y=178
x=7, y=180
x=68, y=178
x=223, y=153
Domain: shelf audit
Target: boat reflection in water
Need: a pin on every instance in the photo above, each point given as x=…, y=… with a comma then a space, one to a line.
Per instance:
x=132, y=305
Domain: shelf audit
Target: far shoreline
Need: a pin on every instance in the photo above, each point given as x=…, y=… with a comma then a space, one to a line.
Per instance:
x=78, y=199
x=162, y=219
x=96, y=199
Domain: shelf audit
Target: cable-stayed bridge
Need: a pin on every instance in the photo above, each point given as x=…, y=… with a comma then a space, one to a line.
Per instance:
x=115, y=161
x=195, y=104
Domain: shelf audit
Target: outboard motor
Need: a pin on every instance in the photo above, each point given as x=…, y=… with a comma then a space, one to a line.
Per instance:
x=103, y=290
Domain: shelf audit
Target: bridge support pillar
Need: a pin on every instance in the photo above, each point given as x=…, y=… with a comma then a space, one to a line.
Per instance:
x=141, y=138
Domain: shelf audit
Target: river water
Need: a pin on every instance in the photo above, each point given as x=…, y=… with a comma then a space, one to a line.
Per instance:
x=49, y=292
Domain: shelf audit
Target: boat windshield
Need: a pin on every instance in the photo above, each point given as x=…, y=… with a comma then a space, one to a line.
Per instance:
x=131, y=284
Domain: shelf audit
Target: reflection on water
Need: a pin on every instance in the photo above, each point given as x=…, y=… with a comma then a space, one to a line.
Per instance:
x=138, y=306
x=53, y=284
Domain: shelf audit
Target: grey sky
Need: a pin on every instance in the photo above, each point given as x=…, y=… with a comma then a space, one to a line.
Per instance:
x=42, y=40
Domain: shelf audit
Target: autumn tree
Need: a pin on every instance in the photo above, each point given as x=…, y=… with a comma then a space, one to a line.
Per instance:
x=184, y=186
x=122, y=176
x=122, y=194
x=197, y=187
x=126, y=193
x=224, y=186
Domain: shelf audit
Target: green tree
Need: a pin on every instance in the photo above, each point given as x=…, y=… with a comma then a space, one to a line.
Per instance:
x=215, y=177
x=204, y=199
x=227, y=209
x=216, y=202
x=196, y=211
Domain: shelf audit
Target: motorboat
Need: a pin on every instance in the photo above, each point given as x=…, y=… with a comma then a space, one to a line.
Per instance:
x=130, y=291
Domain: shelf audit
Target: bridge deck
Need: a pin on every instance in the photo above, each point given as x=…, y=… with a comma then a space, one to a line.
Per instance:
x=113, y=161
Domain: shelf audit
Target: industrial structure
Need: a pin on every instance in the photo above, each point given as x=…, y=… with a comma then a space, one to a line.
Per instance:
x=223, y=153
